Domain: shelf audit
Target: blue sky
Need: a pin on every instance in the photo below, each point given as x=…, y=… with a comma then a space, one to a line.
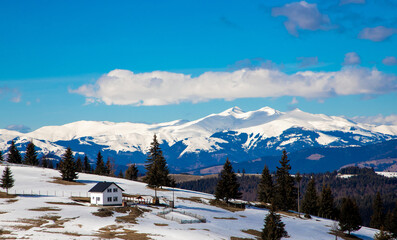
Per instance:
x=187, y=59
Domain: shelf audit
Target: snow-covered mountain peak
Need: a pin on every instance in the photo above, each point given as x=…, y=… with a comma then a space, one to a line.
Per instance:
x=232, y=111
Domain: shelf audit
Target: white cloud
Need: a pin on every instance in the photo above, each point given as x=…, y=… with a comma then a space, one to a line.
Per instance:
x=302, y=15
x=377, y=34
x=377, y=120
x=12, y=93
x=123, y=87
x=307, y=61
x=390, y=61
x=343, y=2
x=352, y=58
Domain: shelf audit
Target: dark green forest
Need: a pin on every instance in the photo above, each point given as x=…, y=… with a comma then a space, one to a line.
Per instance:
x=362, y=187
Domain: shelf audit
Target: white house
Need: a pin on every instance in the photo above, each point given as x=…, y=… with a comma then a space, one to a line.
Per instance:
x=106, y=193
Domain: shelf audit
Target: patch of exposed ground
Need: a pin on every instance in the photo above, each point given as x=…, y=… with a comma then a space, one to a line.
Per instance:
x=228, y=206
x=226, y=218
x=59, y=180
x=45, y=209
x=114, y=231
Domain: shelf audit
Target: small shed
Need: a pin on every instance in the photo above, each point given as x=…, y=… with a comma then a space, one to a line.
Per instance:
x=106, y=193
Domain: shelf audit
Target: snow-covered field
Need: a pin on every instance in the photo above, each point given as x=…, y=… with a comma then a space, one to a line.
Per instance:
x=18, y=215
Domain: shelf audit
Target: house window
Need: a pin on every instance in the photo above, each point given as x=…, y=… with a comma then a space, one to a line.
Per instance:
x=93, y=198
x=109, y=199
x=98, y=199
x=109, y=190
x=114, y=199
x=114, y=189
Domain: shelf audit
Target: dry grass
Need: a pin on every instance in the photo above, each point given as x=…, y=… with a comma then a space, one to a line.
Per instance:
x=81, y=199
x=65, y=203
x=3, y=232
x=58, y=222
x=113, y=231
x=5, y=195
x=103, y=212
x=192, y=199
x=59, y=180
x=229, y=207
x=2, y=213
x=242, y=216
x=226, y=218
x=9, y=201
x=161, y=224
x=344, y=235
x=253, y=232
x=31, y=223
x=45, y=209
x=134, y=213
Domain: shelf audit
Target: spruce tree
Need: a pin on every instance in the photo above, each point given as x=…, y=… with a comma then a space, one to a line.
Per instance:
x=44, y=161
x=86, y=165
x=14, y=156
x=109, y=168
x=349, y=219
x=31, y=155
x=378, y=217
x=391, y=222
x=285, y=191
x=157, y=173
x=310, y=200
x=227, y=186
x=298, y=179
x=326, y=204
x=132, y=172
x=120, y=175
x=1, y=156
x=50, y=164
x=265, y=186
x=79, y=165
x=100, y=165
x=383, y=235
x=7, y=181
x=274, y=228
x=67, y=167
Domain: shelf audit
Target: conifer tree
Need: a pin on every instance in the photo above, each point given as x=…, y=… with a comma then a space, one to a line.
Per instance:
x=14, y=156
x=285, y=191
x=378, y=217
x=310, y=200
x=274, y=228
x=382, y=235
x=349, y=219
x=67, y=167
x=298, y=179
x=391, y=223
x=132, y=172
x=109, y=168
x=227, y=186
x=44, y=161
x=157, y=173
x=120, y=175
x=1, y=156
x=265, y=187
x=50, y=164
x=86, y=165
x=326, y=204
x=79, y=165
x=100, y=165
x=7, y=181
x=31, y=155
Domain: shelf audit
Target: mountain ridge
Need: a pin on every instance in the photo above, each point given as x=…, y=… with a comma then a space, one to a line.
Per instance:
x=233, y=133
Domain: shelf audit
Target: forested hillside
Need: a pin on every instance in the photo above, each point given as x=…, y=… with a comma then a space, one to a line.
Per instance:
x=362, y=187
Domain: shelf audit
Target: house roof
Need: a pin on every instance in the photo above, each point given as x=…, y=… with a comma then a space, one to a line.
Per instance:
x=102, y=186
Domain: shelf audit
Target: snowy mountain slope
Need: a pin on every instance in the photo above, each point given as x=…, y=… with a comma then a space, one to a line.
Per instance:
x=234, y=133
x=77, y=221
